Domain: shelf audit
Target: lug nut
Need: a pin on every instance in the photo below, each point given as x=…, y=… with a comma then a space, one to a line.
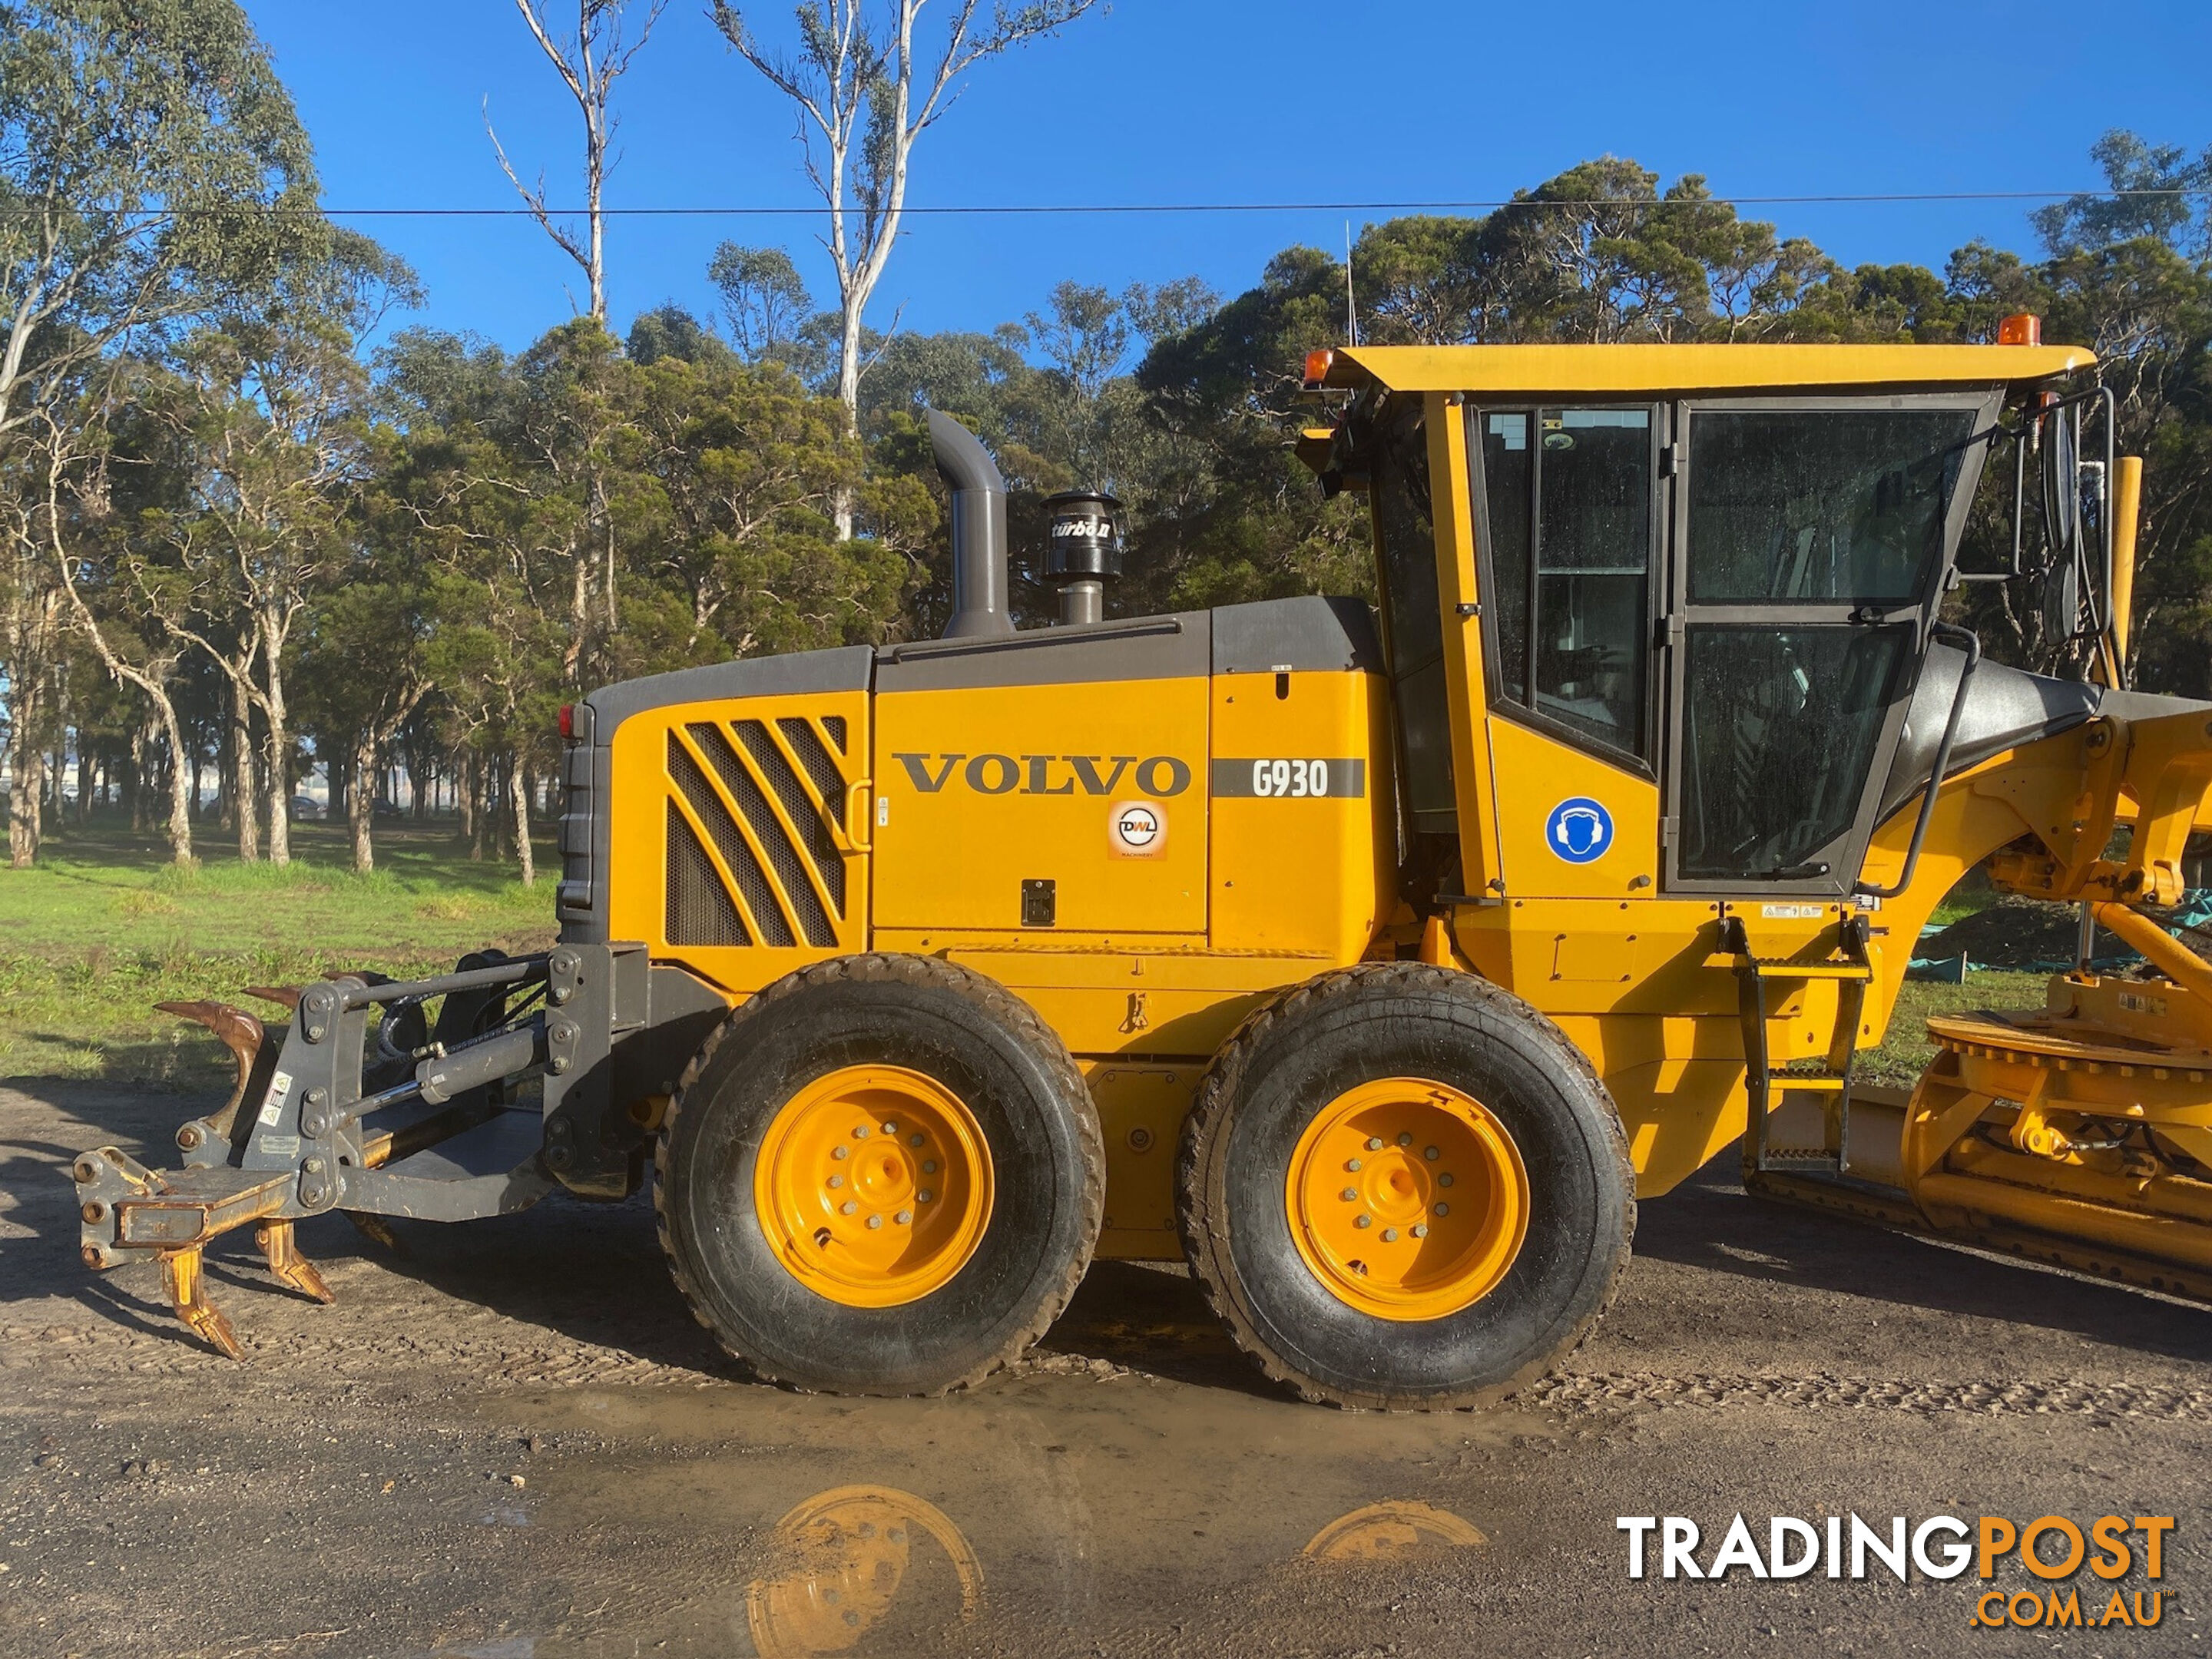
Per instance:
x=1432, y=1154
x=835, y=1181
x=924, y=1196
x=1363, y=1221
x=903, y=1216
x=1445, y=1179
x=862, y=1132
x=1443, y=1209
x=875, y=1221
x=1405, y=1139
x=1390, y=1234
x=890, y=1128
x=1350, y=1194
x=837, y=1152
x=913, y=1140
x=1420, y=1230
x=1374, y=1144
x=929, y=1166
x=847, y=1207
x=1352, y=1163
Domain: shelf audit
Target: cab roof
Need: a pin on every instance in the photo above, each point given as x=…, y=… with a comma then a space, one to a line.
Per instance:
x=1603, y=370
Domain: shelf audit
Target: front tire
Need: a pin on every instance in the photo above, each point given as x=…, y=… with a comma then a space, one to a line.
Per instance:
x=1403, y=1189
x=883, y=1174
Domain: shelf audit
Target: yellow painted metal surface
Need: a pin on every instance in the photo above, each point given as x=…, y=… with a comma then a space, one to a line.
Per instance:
x=1303, y=831
x=710, y=772
x=1407, y=1199
x=978, y=790
x=1142, y=1106
x=1474, y=783
x=2127, y=520
x=1580, y=370
x=1533, y=774
x=873, y=1185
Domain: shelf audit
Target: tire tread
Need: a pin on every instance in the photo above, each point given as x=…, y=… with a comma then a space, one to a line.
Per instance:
x=1207, y=1250
x=925, y=973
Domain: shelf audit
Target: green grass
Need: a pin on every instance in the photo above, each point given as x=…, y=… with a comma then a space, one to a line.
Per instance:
x=1905, y=1049
x=104, y=926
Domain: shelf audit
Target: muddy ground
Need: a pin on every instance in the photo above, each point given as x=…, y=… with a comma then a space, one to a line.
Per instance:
x=512, y=1441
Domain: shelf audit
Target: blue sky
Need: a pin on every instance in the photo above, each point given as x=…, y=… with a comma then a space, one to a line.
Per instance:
x=1213, y=101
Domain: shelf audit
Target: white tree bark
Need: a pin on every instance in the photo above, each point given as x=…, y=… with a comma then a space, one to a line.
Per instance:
x=589, y=63
x=853, y=82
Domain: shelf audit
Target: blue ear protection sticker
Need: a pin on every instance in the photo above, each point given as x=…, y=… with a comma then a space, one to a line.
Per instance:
x=1579, y=830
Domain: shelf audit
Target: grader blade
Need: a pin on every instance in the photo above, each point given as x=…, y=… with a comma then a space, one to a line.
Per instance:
x=2079, y=1133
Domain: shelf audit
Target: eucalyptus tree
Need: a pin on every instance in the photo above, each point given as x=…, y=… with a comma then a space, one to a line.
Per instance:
x=149, y=160
x=866, y=87
x=271, y=398
x=589, y=59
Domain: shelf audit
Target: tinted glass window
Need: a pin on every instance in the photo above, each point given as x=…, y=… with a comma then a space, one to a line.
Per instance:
x=1509, y=472
x=1400, y=491
x=1813, y=506
x=1780, y=730
x=1568, y=494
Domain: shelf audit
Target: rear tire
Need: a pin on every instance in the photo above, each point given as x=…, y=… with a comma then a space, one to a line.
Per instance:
x=1476, y=1307
x=762, y=1109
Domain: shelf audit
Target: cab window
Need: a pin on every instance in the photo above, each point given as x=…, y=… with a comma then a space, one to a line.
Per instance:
x=1567, y=494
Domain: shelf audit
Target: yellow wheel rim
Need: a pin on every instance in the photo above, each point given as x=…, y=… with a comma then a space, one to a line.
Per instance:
x=873, y=1185
x=1407, y=1199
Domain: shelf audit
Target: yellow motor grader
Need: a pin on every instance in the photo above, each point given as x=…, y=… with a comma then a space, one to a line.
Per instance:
x=1372, y=961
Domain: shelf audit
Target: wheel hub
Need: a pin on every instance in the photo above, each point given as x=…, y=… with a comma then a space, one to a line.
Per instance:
x=1407, y=1199
x=873, y=1185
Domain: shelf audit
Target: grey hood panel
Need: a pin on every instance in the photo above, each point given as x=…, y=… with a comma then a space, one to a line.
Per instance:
x=1277, y=634
x=840, y=668
x=2005, y=707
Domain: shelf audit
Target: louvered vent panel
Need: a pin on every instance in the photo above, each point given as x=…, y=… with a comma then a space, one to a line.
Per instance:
x=775, y=856
x=736, y=858
x=771, y=763
x=699, y=907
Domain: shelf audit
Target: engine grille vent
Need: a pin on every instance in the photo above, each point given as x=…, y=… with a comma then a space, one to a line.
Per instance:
x=755, y=812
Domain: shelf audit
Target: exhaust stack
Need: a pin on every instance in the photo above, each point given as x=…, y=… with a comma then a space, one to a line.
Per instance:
x=979, y=530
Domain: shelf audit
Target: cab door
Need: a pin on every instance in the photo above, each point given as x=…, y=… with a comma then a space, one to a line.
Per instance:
x=1811, y=542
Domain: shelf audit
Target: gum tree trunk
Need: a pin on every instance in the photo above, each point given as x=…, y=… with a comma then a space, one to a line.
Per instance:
x=245, y=794
x=518, y=790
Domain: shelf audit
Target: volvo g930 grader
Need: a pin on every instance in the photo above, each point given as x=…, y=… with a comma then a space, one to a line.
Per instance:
x=1374, y=962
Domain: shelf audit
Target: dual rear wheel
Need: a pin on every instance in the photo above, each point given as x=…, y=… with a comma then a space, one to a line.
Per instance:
x=1399, y=1188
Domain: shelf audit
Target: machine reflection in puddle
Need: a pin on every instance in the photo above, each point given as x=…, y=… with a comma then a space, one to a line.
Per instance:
x=839, y=1561
x=1390, y=1532
x=855, y=1562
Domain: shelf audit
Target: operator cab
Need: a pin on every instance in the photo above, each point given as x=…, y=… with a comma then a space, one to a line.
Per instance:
x=1715, y=572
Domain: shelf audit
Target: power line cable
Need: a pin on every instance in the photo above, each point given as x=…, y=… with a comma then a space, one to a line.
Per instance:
x=1029, y=209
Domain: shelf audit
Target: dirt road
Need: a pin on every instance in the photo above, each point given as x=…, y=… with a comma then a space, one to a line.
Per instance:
x=512, y=1441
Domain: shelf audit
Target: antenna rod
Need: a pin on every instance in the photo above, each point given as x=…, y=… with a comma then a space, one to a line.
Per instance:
x=1351, y=306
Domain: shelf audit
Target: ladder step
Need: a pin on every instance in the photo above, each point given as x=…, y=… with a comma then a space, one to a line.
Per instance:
x=1802, y=1160
x=1770, y=967
x=1822, y=1083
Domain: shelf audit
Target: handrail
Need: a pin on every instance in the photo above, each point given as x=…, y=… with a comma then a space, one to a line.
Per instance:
x=1941, y=763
